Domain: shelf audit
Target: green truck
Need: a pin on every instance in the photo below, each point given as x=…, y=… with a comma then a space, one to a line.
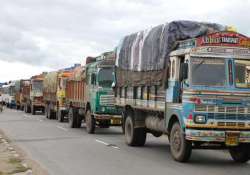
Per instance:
x=90, y=96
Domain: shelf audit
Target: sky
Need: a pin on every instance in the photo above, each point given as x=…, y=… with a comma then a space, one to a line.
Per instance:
x=46, y=35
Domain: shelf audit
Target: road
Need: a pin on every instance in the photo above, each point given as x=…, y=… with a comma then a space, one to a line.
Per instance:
x=65, y=151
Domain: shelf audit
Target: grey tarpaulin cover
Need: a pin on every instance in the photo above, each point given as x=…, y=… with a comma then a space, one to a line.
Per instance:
x=142, y=56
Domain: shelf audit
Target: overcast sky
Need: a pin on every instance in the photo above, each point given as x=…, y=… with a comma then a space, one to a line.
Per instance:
x=44, y=35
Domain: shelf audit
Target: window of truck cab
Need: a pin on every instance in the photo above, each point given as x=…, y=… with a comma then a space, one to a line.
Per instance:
x=37, y=85
x=105, y=77
x=205, y=71
x=242, y=73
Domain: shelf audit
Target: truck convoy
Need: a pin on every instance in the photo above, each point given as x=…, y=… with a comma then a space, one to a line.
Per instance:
x=33, y=94
x=187, y=80
x=54, y=87
x=90, y=96
x=190, y=81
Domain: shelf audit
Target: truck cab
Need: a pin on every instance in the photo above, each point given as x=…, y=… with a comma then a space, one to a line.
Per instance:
x=209, y=93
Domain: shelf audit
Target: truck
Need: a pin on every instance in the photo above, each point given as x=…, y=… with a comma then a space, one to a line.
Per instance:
x=189, y=81
x=54, y=87
x=90, y=96
x=34, y=95
x=8, y=95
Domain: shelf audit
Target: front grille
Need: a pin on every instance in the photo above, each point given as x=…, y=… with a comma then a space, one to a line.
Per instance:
x=228, y=114
x=222, y=109
x=107, y=100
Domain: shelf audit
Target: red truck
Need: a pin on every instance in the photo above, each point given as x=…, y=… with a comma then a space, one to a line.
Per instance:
x=34, y=95
x=75, y=97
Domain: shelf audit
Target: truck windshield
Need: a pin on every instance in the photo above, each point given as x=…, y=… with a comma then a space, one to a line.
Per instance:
x=208, y=71
x=105, y=77
x=37, y=86
x=242, y=73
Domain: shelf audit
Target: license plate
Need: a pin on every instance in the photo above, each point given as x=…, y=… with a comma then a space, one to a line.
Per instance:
x=116, y=121
x=232, y=138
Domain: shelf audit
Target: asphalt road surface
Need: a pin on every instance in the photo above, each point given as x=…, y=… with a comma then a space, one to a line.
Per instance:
x=65, y=151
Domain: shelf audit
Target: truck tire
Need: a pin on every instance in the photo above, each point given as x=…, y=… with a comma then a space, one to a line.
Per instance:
x=241, y=153
x=123, y=121
x=33, y=110
x=46, y=112
x=78, y=120
x=180, y=148
x=25, y=109
x=60, y=116
x=90, y=122
x=28, y=109
x=134, y=136
x=50, y=114
x=72, y=118
x=43, y=110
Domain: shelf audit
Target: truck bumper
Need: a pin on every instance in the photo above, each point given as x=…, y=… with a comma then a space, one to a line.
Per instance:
x=115, y=120
x=216, y=136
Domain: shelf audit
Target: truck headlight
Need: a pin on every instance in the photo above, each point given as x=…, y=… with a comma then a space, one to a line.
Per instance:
x=200, y=119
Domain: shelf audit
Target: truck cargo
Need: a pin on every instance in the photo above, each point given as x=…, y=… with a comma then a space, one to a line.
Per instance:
x=188, y=80
x=90, y=96
x=34, y=95
x=54, y=86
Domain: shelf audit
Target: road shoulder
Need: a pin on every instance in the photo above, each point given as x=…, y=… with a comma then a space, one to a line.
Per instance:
x=14, y=161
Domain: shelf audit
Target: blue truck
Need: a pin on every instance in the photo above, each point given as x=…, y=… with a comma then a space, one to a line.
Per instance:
x=200, y=98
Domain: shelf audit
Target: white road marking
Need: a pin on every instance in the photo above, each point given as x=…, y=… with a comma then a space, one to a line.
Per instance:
x=25, y=115
x=62, y=128
x=101, y=142
x=116, y=147
x=107, y=144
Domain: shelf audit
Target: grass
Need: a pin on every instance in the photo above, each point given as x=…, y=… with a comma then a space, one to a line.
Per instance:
x=14, y=161
x=18, y=166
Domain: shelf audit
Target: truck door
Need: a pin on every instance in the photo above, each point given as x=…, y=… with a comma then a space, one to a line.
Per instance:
x=174, y=84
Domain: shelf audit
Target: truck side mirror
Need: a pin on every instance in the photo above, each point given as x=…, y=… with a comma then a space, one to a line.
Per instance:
x=184, y=71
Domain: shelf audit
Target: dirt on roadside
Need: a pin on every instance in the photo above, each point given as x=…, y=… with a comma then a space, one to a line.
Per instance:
x=14, y=161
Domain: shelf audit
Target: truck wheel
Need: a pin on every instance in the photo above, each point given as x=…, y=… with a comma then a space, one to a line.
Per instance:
x=134, y=136
x=50, y=114
x=25, y=108
x=78, y=120
x=43, y=110
x=72, y=118
x=90, y=122
x=60, y=116
x=123, y=121
x=180, y=148
x=46, y=112
x=33, y=110
x=241, y=153
x=28, y=109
